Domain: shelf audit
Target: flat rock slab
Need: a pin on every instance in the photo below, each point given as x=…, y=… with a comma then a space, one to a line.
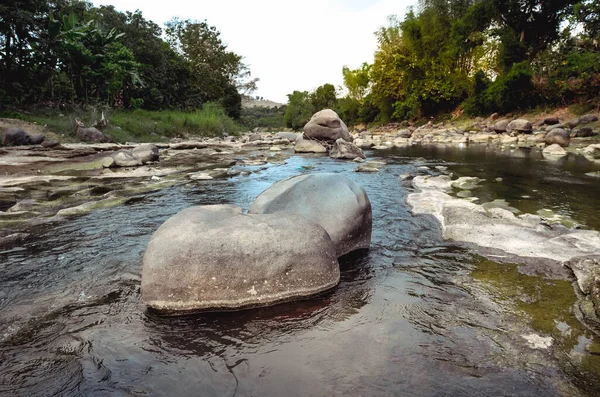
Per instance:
x=497, y=228
x=23, y=180
x=140, y=172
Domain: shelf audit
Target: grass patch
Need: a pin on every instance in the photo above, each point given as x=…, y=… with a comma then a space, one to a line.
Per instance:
x=139, y=125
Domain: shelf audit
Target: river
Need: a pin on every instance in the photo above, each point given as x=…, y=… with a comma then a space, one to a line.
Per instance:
x=413, y=316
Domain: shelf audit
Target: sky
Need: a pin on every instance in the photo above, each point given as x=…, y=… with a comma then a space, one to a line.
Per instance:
x=289, y=45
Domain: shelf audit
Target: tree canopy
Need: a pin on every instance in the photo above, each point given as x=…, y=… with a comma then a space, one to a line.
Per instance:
x=70, y=53
x=484, y=56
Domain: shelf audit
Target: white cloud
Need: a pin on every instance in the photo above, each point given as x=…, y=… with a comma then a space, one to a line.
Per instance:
x=288, y=45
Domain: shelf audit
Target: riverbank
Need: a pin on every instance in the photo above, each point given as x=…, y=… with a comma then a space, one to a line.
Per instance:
x=126, y=125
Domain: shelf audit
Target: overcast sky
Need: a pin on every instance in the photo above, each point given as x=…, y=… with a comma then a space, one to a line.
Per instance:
x=289, y=45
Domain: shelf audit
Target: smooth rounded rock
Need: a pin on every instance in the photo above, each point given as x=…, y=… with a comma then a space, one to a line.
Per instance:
x=334, y=201
x=216, y=258
x=15, y=137
x=519, y=125
x=36, y=139
x=126, y=158
x=146, y=152
x=558, y=136
x=327, y=125
x=500, y=126
x=553, y=151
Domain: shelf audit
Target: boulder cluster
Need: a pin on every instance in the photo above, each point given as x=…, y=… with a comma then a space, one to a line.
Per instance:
x=215, y=257
x=325, y=132
x=543, y=132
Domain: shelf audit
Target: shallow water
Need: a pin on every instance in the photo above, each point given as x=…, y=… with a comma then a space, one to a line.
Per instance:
x=415, y=315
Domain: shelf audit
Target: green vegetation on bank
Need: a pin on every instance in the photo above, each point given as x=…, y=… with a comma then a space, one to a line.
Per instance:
x=139, y=125
x=472, y=56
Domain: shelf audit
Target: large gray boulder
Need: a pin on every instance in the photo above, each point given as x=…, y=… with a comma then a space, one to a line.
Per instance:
x=216, y=258
x=558, y=136
x=519, y=126
x=15, y=137
x=327, y=125
x=334, y=201
x=500, y=126
x=346, y=150
x=146, y=153
x=309, y=146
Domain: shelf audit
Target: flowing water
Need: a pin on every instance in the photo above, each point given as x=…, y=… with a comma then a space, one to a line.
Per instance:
x=415, y=315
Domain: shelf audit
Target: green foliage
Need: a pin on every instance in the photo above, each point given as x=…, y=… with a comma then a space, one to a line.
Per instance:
x=68, y=53
x=477, y=103
x=357, y=81
x=348, y=109
x=299, y=110
x=323, y=97
x=263, y=117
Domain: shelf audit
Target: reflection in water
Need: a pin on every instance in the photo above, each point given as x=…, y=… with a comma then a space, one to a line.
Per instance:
x=414, y=315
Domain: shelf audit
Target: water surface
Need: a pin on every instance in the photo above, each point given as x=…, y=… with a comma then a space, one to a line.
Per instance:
x=415, y=315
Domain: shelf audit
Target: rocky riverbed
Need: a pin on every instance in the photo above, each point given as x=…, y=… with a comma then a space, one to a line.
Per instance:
x=423, y=311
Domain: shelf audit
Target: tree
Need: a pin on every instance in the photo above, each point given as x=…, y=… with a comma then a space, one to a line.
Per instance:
x=299, y=110
x=323, y=97
x=357, y=81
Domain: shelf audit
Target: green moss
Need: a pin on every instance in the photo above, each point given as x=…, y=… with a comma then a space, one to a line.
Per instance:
x=547, y=305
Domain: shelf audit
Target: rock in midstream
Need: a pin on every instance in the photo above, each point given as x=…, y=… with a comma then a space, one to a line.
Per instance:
x=333, y=201
x=327, y=125
x=217, y=258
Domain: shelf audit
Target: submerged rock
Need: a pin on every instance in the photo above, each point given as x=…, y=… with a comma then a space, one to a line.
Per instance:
x=554, y=151
x=592, y=151
x=216, y=258
x=587, y=274
x=466, y=183
x=366, y=168
x=327, y=125
x=332, y=200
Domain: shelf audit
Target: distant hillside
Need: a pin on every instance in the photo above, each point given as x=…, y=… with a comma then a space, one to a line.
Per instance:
x=259, y=103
